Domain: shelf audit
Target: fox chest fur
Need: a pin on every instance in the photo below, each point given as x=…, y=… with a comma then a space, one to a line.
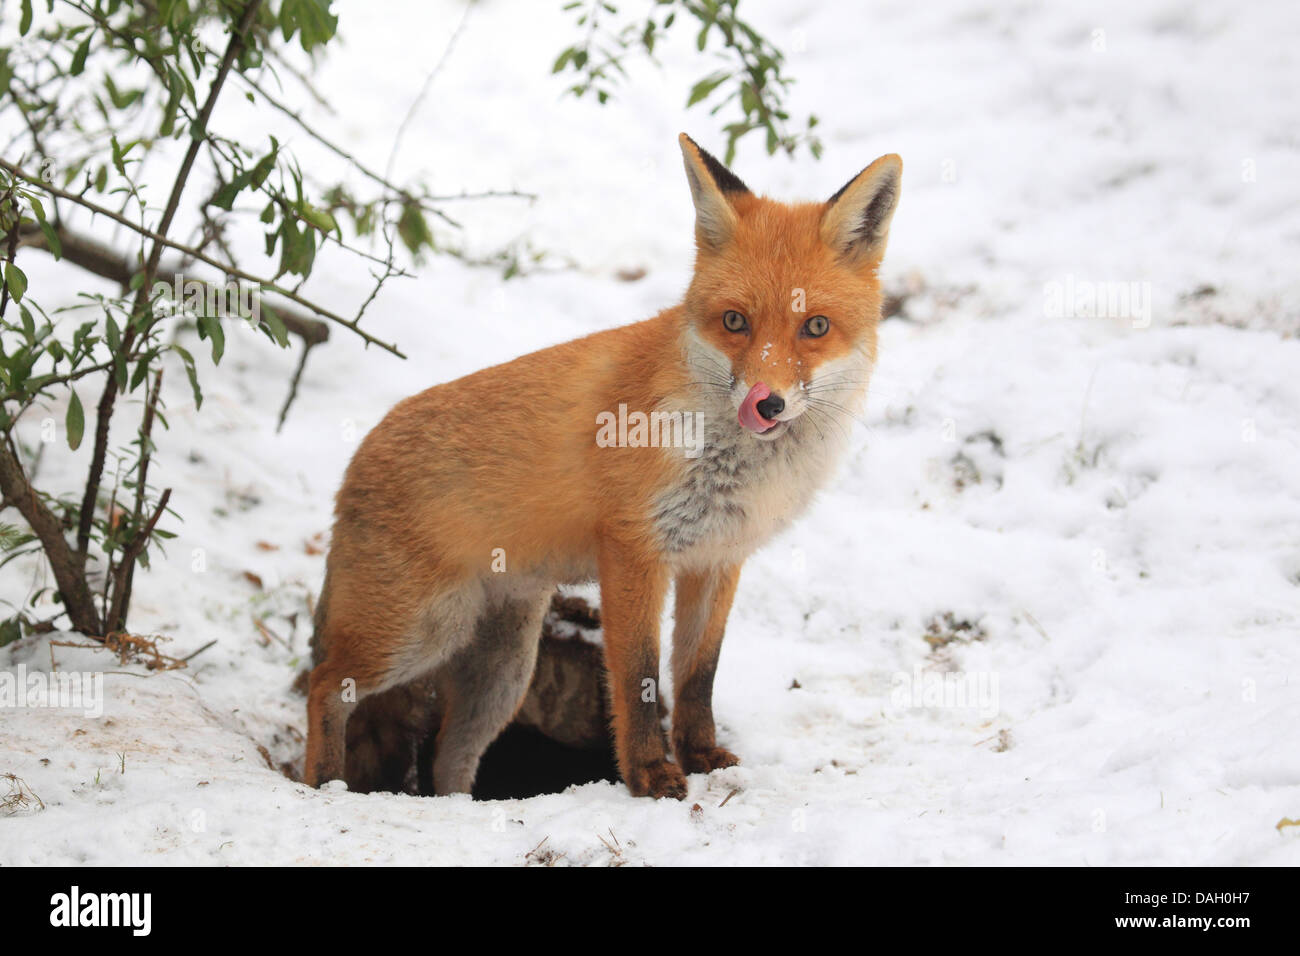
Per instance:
x=739, y=492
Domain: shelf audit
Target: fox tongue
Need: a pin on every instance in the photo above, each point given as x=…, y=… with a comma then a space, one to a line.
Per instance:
x=749, y=414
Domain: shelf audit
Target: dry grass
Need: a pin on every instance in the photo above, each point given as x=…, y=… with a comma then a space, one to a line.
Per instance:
x=136, y=649
x=18, y=798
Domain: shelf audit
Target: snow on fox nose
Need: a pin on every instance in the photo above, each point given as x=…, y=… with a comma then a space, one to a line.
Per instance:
x=759, y=406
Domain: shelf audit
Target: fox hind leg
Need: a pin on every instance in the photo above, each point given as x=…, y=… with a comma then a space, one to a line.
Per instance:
x=394, y=650
x=327, y=723
x=482, y=686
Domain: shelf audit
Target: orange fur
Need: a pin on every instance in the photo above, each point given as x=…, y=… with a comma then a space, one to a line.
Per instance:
x=504, y=466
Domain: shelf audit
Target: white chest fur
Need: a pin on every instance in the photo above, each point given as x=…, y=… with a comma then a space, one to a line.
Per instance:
x=741, y=490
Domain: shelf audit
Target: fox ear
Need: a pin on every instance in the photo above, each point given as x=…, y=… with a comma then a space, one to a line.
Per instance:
x=711, y=182
x=856, y=220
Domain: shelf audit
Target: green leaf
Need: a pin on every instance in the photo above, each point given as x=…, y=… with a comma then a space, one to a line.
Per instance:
x=12, y=629
x=190, y=371
x=225, y=197
x=702, y=89
x=311, y=20
x=142, y=368
x=318, y=217
x=79, y=58
x=56, y=247
x=264, y=165
x=414, y=229
x=210, y=328
x=297, y=249
x=25, y=23
x=174, y=86
x=119, y=159
x=16, y=280
x=275, y=325
x=121, y=98
x=76, y=421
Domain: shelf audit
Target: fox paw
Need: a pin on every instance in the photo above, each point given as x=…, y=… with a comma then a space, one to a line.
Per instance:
x=708, y=759
x=657, y=779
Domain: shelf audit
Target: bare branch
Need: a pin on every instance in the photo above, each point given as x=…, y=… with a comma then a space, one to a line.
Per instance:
x=424, y=90
x=64, y=562
x=115, y=620
x=129, y=556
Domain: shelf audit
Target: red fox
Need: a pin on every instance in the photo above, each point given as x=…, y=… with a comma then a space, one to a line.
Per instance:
x=665, y=451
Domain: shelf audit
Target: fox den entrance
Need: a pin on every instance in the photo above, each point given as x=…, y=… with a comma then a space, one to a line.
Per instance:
x=524, y=762
x=559, y=738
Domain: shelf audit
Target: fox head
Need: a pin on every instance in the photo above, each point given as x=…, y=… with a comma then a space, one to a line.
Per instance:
x=784, y=303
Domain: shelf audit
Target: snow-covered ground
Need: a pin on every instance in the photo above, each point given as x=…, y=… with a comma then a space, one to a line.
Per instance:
x=1111, y=503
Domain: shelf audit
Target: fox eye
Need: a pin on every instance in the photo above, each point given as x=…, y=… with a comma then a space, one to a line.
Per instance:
x=733, y=321
x=816, y=327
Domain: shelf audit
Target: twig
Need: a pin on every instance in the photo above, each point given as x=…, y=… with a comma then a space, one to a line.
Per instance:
x=424, y=90
x=270, y=634
x=189, y=657
x=1034, y=621
x=129, y=555
x=370, y=174
x=141, y=481
x=300, y=76
x=293, y=387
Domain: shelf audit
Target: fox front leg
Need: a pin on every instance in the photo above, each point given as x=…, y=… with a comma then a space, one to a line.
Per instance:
x=632, y=588
x=700, y=620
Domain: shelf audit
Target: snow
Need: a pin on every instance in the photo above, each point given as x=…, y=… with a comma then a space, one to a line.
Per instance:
x=1110, y=501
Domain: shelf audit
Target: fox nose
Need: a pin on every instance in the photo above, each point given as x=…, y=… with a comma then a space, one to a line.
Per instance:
x=771, y=406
